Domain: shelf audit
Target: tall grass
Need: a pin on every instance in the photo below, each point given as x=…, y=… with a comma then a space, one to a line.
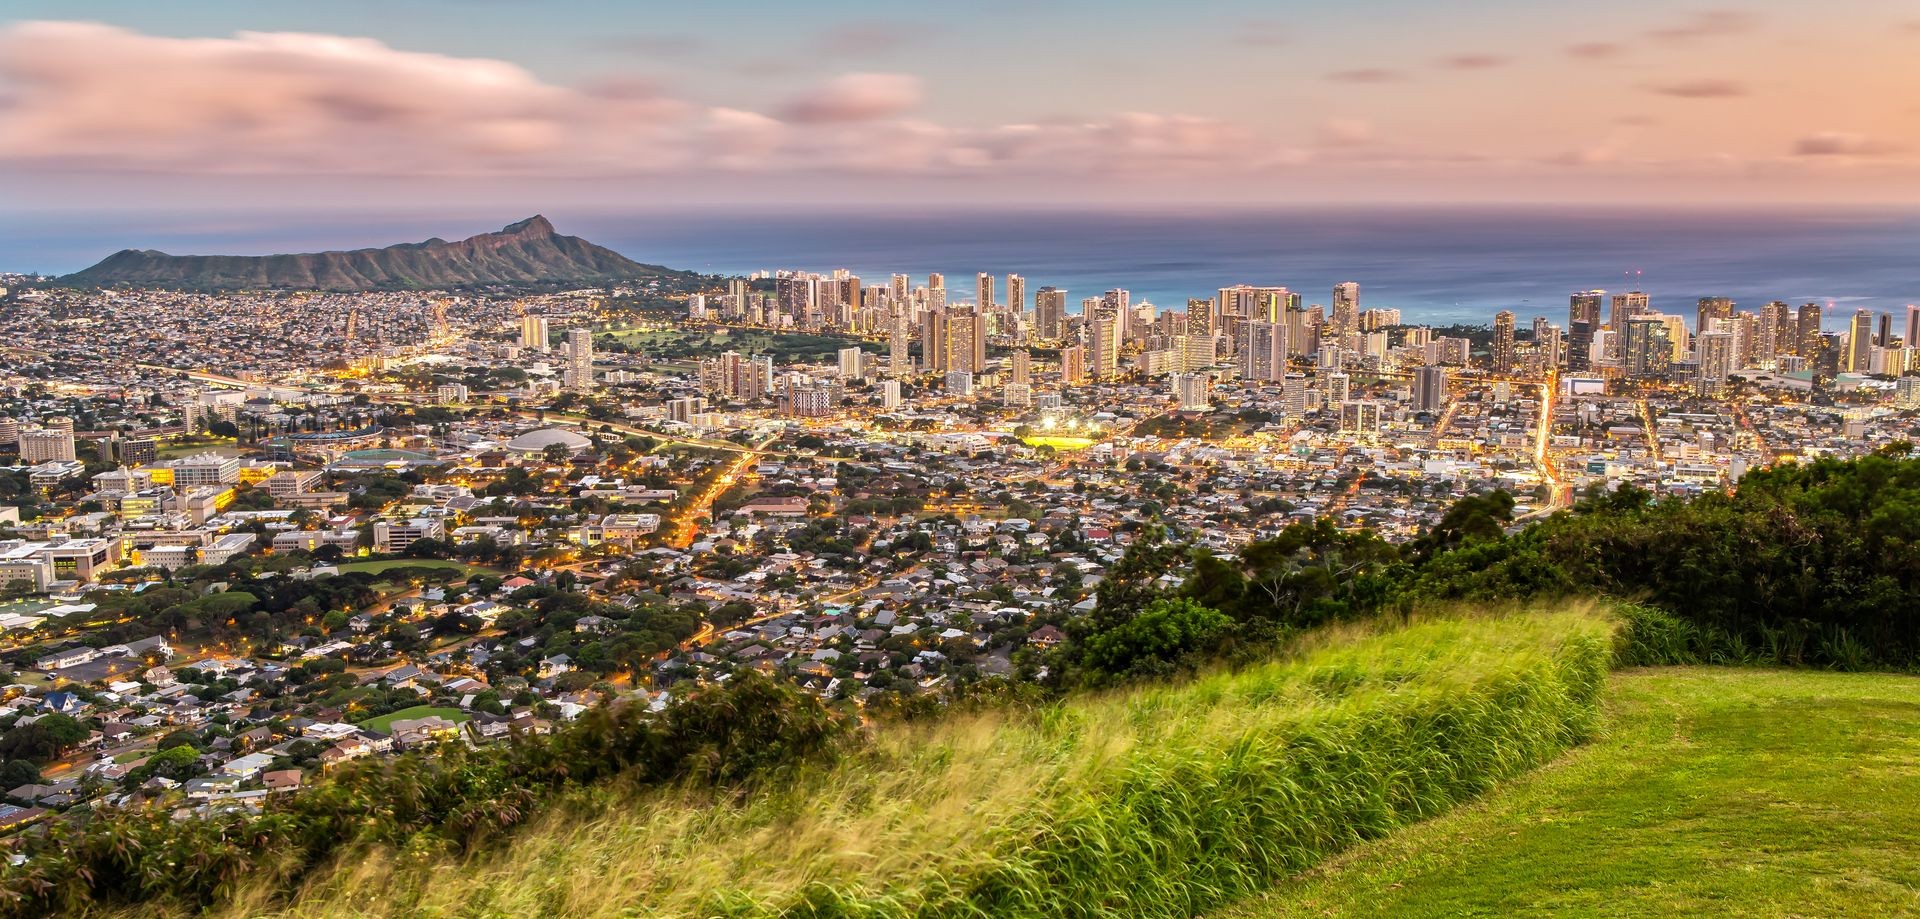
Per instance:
x=1160, y=801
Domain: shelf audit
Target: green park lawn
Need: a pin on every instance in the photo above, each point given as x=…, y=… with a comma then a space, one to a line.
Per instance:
x=1711, y=792
x=384, y=723
x=376, y=567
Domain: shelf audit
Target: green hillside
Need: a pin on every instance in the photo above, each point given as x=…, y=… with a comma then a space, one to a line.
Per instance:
x=1710, y=792
x=1156, y=801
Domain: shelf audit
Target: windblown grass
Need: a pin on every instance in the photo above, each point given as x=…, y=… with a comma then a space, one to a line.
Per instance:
x=1158, y=801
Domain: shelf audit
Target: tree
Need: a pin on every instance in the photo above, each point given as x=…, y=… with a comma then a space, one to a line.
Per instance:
x=1162, y=638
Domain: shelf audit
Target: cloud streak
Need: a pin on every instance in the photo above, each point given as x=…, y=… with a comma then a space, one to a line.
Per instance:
x=1700, y=89
x=91, y=97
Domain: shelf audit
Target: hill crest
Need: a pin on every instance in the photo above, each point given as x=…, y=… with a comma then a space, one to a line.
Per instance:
x=524, y=253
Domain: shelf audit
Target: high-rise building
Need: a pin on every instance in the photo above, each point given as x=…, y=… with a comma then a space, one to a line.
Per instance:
x=852, y=363
x=890, y=394
x=983, y=291
x=899, y=344
x=1105, y=352
x=1021, y=367
x=9, y=431
x=1580, y=345
x=1194, y=390
x=1200, y=317
x=579, y=372
x=1585, y=306
x=1429, y=388
x=1647, y=352
x=1546, y=342
x=1016, y=293
x=1714, y=354
x=936, y=281
x=1360, y=417
x=1625, y=307
x=1775, y=335
x=1712, y=309
x=1073, y=365
x=42, y=445
x=1503, y=350
x=1860, y=342
x=1911, y=338
x=1050, y=312
x=1807, y=340
x=533, y=332
x=1346, y=308
x=1264, y=359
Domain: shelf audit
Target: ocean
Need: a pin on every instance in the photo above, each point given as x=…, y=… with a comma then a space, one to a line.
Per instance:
x=1437, y=265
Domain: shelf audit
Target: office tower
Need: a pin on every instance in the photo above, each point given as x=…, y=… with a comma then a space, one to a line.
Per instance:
x=1264, y=359
x=983, y=290
x=1808, y=342
x=1021, y=366
x=579, y=372
x=1585, y=307
x=1711, y=309
x=1625, y=307
x=1073, y=365
x=533, y=332
x=1713, y=352
x=1647, y=352
x=1105, y=356
x=1194, y=390
x=1050, y=312
x=1016, y=293
x=1860, y=342
x=1503, y=342
x=1346, y=308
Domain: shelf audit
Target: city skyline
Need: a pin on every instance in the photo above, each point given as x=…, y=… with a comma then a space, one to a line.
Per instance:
x=275, y=105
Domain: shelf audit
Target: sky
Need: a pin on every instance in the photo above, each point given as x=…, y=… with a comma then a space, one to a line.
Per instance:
x=515, y=105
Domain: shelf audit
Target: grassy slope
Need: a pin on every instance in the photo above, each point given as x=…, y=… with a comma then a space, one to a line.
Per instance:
x=384, y=723
x=1157, y=801
x=1713, y=791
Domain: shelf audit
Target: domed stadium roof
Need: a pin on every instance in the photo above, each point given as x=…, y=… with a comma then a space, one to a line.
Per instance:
x=539, y=441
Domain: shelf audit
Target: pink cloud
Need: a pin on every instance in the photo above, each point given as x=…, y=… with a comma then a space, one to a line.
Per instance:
x=855, y=97
x=1474, y=61
x=1700, y=89
x=1840, y=143
x=1595, y=50
x=1707, y=24
x=1366, y=75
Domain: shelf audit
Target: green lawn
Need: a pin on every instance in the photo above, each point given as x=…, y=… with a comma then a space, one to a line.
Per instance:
x=384, y=723
x=1713, y=792
x=385, y=564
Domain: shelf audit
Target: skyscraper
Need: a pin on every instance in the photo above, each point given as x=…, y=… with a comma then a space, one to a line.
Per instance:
x=1429, y=388
x=1860, y=342
x=1625, y=307
x=1648, y=350
x=1580, y=345
x=579, y=372
x=1264, y=358
x=533, y=332
x=1073, y=365
x=1807, y=333
x=1713, y=352
x=1346, y=308
x=1585, y=306
x=1021, y=367
x=1105, y=335
x=983, y=290
x=1711, y=309
x=1016, y=293
x=1050, y=312
x=1503, y=342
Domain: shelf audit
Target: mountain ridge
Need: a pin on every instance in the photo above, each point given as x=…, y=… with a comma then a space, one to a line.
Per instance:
x=527, y=252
